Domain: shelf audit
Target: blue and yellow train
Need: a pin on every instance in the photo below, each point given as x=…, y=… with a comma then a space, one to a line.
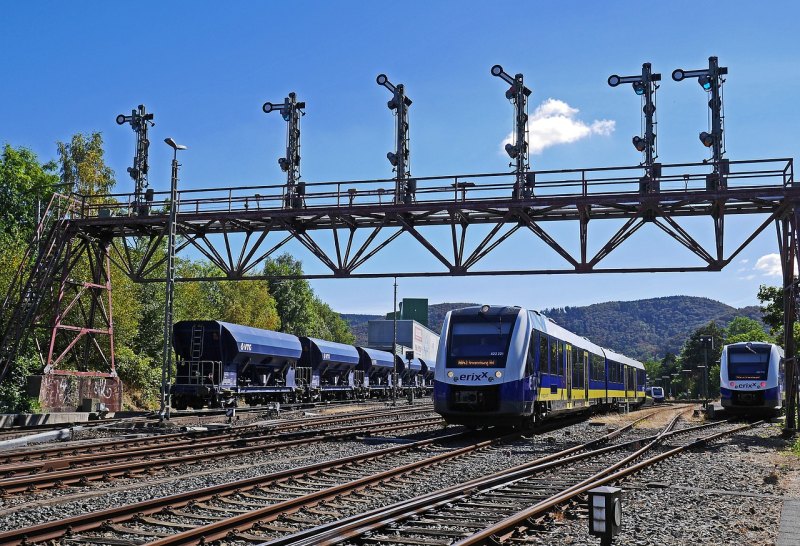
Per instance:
x=508, y=366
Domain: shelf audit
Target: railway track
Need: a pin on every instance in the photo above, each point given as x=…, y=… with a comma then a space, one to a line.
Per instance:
x=81, y=470
x=503, y=507
x=257, y=509
x=51, y=453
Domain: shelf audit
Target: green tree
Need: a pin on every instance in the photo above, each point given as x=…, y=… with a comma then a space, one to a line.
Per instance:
x=695, y=354
x=771, y=298
x=330, y=325
x=83, y=167
x=25, y=186
x=745, y=329
x=294, y=298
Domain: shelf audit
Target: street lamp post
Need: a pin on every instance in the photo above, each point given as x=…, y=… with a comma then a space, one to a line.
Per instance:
x=706, y=341
x=166, y=364
x=394, y=345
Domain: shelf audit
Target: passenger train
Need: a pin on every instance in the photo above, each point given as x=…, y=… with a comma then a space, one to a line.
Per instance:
x=751, y=378
x=220, y=364
x=507, y=366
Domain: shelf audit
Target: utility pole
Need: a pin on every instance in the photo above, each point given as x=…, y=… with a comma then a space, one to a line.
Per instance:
x=166, y=363
x=706, y=341
x=394, y=346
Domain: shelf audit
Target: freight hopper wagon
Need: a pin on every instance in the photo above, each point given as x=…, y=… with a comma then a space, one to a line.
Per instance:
x=507, y=366
x=219, y=363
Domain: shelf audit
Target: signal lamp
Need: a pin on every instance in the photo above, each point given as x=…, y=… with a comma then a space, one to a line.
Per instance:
x=381, y=79
x=705, y=82
x=639, y=143
x=707, y=139
x=284, y=164
x=512, y=151
x=392, y=157
x=613, y=80
x=121, y=119
x=678, y=74
x=497, y=70
x=638, y=87
x=510, y=93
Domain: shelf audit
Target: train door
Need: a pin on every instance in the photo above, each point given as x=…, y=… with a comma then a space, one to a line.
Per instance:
x=568, y=370
x=586, y=377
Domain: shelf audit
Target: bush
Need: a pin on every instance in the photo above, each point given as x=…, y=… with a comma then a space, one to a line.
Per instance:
x=13, y=391
x=140, y=375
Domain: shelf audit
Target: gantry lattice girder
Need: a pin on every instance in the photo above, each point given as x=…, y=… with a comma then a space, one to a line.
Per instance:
x=239, y=230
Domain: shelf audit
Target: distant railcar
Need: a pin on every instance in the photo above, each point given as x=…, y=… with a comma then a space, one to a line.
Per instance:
x=751, y=378
x=220, y=364
x=508, y=366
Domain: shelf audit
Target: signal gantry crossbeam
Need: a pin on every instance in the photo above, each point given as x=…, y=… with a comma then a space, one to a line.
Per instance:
x=238, y=228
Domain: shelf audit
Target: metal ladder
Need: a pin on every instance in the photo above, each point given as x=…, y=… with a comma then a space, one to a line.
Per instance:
x=197, y=341
x=34, y=278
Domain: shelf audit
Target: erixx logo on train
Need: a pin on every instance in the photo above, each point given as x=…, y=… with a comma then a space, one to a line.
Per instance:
x=474, y=376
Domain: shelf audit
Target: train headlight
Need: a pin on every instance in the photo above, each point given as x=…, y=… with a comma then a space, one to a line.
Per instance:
x=498, y=374
x=733, y=384
x=763, y=384
x=450, y=374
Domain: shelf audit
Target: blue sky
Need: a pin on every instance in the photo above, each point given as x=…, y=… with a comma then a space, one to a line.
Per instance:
x=205, y=69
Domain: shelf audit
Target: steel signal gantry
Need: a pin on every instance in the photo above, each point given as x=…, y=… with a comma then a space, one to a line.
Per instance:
x=290, y=110
x=711, y=82
x=139, y=120
x=405, y=188
x=645, y=87
x=518, y=151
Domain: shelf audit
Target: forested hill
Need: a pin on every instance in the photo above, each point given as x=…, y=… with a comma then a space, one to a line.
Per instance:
x=647, y=328
x=640, y=328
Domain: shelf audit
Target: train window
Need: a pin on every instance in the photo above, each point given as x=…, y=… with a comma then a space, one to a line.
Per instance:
x=543, y=353
x=529, y=365
x=748, y=362
x=479, y=343
x=554, y=356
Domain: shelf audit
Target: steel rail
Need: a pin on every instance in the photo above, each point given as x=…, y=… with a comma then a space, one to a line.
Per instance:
x=88, y=459
x=84, y=475
x=188, y=438
x=223, y=528
x=358, y=525
x=490, y=533
x=86, y=522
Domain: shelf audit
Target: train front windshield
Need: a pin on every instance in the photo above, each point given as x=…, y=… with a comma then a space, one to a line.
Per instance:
x=748, y=362
x=479, y=342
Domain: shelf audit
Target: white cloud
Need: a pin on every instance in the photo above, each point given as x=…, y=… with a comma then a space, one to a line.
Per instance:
x=747, y=278
x=769, y=265
x=555, y=122
x=744, y=261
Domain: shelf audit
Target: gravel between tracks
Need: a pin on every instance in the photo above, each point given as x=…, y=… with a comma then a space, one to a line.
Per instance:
x=729, y=493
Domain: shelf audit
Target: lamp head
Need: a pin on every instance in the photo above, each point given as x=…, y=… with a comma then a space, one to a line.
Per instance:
x=174, y=145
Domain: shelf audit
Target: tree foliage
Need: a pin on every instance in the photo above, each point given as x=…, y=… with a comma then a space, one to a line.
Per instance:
x=138, y=308
x=82, y=164
x=25, y=186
